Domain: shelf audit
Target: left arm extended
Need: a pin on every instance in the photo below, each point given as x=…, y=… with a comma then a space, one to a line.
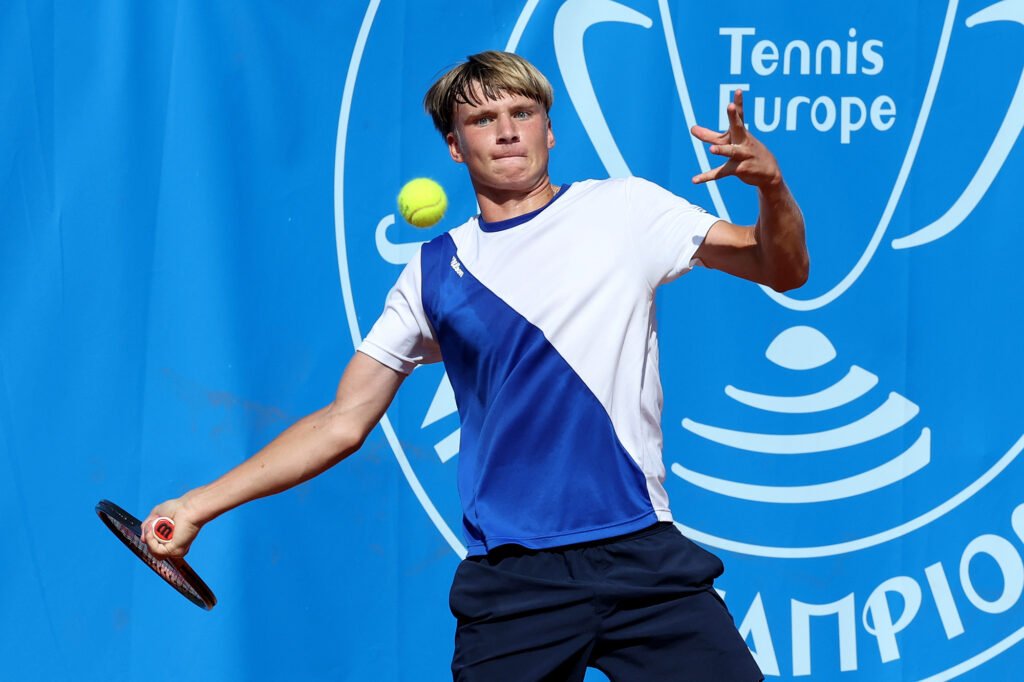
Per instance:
x=772, y=252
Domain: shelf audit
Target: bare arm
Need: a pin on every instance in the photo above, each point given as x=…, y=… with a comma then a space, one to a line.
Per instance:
x=307, y=448
x=773, y=251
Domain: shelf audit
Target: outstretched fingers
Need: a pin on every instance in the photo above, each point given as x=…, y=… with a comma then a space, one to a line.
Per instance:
x=731, y=150
x=737, y=129
x=709, y=136
x=731, y=143
x=726, y=169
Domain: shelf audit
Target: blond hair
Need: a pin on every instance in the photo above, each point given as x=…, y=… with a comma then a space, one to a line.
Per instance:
x=488, y=75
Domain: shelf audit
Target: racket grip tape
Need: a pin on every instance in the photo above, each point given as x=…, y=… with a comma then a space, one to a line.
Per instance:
x=163, y=528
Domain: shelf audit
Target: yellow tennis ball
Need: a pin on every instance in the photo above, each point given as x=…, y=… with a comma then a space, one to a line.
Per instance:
x=422, y=202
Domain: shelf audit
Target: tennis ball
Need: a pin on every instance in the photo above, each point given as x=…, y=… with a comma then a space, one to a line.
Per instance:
x=422, y=202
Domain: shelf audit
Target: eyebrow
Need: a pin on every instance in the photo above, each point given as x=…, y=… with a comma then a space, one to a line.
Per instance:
x=488, y=108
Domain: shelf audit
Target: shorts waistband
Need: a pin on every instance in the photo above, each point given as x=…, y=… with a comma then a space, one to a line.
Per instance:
x=513, y=550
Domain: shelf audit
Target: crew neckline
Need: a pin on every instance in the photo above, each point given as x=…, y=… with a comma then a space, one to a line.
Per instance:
x=499, y=225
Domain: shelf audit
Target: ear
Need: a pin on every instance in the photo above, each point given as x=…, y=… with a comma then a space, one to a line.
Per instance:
x=454, y=149
x=551, y=135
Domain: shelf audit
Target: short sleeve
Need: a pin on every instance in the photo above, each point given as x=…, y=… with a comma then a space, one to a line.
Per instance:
x=670, y=229
x=402, y=338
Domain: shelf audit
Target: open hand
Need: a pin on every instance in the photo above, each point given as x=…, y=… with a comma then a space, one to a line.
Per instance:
x=746, y=157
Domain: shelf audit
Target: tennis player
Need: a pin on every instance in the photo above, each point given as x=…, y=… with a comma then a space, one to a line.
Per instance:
x=542, y=309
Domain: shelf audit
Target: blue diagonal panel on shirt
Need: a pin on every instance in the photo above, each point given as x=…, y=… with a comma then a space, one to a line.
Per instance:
x=540, y=464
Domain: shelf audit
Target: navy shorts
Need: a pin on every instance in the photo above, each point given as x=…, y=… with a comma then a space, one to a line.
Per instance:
x=639, y=607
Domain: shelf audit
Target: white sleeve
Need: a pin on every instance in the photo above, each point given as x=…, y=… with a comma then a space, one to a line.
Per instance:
x=402, y=337
x=670, y=229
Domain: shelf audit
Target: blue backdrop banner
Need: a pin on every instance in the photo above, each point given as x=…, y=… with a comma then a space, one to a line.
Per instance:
x=199, y=225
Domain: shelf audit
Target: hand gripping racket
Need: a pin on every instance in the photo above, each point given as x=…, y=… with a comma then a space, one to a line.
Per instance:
x=176, y=572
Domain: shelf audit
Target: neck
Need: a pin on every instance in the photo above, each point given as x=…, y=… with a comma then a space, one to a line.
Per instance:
x=498, y=204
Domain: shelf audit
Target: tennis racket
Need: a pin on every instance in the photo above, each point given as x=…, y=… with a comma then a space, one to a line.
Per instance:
x=176, y=572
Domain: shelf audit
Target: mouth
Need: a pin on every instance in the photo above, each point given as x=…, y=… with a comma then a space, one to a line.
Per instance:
x=509, y=153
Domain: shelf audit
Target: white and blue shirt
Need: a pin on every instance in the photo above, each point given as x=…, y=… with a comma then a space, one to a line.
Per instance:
x=546, y=326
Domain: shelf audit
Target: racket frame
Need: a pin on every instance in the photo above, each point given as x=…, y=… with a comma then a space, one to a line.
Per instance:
x=175, y=571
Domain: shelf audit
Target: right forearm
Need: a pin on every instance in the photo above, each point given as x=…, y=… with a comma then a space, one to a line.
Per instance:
x=307, y=448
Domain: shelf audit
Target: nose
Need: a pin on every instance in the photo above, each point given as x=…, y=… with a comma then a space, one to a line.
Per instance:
x=506, y=130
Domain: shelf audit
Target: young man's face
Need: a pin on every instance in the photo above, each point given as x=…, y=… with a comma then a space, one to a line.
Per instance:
x=503, y=142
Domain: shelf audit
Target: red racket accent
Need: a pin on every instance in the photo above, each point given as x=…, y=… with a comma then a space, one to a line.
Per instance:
x=163, y=528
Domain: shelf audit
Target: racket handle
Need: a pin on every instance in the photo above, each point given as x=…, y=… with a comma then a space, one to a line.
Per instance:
x=163, y=528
